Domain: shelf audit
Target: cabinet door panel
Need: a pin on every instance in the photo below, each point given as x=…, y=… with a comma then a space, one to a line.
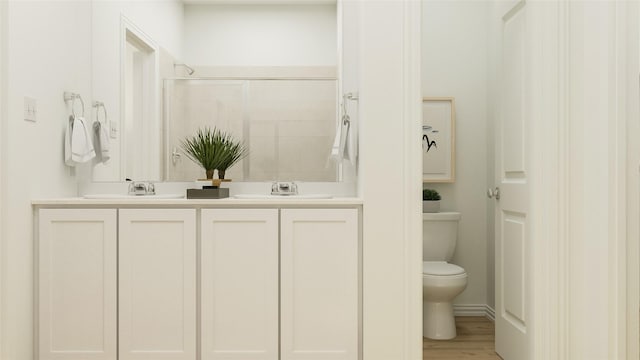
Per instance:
x=319, y=284
x=157, y=283
x=239, y=284
x=77, y=284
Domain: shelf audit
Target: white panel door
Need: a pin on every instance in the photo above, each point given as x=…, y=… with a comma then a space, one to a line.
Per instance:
x=77, y=304
x=157, y=284
x=319, y=284
x=512, y=208
x=239, y=284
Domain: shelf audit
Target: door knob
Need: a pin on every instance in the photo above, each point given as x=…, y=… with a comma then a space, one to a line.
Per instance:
x=493, y=193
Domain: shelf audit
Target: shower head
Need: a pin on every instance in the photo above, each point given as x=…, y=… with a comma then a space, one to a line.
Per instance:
x=190, y=70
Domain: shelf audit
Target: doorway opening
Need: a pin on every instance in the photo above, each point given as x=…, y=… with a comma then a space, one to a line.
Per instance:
x=139, y=113
x=493, y=34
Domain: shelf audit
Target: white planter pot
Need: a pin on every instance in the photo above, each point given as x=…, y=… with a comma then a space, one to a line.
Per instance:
x=431, y=206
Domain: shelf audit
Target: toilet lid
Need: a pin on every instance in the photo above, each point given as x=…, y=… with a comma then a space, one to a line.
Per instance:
x=441, y=268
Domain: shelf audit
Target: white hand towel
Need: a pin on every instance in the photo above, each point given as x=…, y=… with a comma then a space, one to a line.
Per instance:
x=81, y=145
x=343, y=151
x=101, y=142
x=105, y=147
x=342, y=148
x=351, y=144
x=335, y=148
x=67, y=143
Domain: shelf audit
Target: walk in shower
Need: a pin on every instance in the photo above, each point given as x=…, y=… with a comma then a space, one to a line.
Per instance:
x=289, y=126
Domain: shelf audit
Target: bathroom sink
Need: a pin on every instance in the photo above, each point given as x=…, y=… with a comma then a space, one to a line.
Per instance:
x=123, y=196
x=283, y=197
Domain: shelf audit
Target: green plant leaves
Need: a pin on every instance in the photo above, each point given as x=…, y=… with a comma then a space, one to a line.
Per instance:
x=430, y=195
x=214, y=149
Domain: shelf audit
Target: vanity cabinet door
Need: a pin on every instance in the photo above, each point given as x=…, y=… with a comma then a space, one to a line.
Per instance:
x=319, y=284
x=77, y=284
x=157, y=284
x=239, y=284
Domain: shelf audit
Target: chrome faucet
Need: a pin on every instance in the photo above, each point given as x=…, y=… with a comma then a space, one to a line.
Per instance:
x=284, y=188
x=142, y=188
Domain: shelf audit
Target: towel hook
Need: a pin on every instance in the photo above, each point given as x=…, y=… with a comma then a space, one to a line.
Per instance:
x=97, y=105
x=69, y=96
x=344, y=105
x=345, y=113
x=351, y=96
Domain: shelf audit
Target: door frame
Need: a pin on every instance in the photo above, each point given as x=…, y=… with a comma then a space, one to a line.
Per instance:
x=617, y=69
x=389, y=88
x=130, y=33
x=3, y=172
x=629, y=57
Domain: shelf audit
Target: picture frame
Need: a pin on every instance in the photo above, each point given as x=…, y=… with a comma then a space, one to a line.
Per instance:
x=438, y=139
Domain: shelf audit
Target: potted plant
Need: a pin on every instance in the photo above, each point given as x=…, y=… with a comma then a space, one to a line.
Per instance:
x=232, y=152
x=430, y=201
x=214, y=149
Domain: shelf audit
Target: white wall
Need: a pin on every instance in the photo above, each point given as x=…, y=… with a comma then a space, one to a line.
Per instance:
x=162, y=21
x=389, y=178
x=48, y=52
x=493, y=64
x=254, y=35
x=454, y=63
x=597, y=146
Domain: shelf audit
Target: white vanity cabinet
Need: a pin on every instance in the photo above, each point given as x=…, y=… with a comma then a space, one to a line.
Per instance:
x=157, y=284
x=239, y=284
x=315, y=280
x=193, y=283
x=319, y=284
x=77, y=298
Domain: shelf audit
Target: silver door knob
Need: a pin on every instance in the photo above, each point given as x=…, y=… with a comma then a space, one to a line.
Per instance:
x=493, y=193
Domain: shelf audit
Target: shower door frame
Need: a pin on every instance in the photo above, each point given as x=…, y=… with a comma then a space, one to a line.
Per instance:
x=169, y=84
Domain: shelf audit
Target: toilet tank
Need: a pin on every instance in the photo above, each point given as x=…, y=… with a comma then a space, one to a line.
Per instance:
x=439, y=235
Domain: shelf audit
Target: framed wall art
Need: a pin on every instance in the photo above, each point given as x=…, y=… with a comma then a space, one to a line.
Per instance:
x=438, y=139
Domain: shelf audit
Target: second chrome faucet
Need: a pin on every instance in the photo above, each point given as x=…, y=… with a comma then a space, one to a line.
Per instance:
x=142, y=188
x=284, y=188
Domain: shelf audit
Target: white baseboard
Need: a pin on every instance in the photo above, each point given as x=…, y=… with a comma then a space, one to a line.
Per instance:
x=474, y=310
x=491, y=313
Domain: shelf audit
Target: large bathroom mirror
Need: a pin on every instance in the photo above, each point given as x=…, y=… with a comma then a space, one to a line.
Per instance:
x=266, y=72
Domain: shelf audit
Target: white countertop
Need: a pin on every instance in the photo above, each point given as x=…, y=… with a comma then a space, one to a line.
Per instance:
x=228, y=202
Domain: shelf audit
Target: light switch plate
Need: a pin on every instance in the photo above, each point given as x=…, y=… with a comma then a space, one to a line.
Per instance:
x=30, y=109
x=113, y=129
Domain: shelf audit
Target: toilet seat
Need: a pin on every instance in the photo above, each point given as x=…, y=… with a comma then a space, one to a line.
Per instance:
x=441, y=268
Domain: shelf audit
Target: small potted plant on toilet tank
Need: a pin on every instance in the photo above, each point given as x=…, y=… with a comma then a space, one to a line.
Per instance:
x=430, y=201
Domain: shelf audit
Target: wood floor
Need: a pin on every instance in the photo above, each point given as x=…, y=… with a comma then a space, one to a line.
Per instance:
x=475, y=341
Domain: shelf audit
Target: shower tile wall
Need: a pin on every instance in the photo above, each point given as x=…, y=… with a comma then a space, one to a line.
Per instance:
x=198, y=104
x=289, y=125
x=292, y=129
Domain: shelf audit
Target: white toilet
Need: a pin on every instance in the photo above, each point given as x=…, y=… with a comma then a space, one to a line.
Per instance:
x=441, y=281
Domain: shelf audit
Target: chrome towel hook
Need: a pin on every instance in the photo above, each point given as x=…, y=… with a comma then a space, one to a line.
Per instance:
x=98, y=105
x=346, y=120
x=70, y=96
